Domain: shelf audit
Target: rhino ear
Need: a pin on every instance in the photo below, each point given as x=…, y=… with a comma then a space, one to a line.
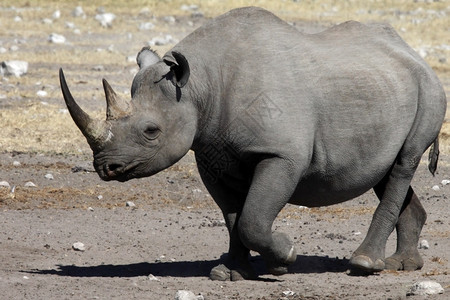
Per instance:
x=180, y=67
x=147, y=57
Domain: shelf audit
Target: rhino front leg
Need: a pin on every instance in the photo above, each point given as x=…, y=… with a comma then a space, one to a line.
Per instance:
x=230, y=201
x=272, y=185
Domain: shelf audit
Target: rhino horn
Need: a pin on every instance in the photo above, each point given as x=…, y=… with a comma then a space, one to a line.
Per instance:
x=116, y=107
x=93, y=130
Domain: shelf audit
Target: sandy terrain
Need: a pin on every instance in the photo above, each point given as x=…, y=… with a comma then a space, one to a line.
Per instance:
x=175, y=233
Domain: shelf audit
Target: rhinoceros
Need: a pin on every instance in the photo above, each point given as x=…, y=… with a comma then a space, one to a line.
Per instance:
x=277, y=116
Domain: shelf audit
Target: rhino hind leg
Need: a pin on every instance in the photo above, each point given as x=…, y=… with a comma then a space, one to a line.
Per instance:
x=409, y=225
x=395, y=196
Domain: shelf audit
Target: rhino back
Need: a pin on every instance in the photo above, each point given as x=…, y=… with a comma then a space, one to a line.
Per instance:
x=343, y=100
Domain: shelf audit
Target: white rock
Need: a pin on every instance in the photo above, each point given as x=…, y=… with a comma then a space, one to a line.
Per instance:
x=169, y=19
x=14, y=67
x=17, y=19
x=3, y=50
x=424, y=244
x=288, y=293
x=105, y=19
x=56, y=14
x=130, y=204
x=152, y=277
x=146, y=26
x=445, y=182
x=14, y=48
x=70, y=25
x=78, y=12
x=4, y=184
x=16, y=163
x=435, y=188
x=47, y=21
x=78, y=246
x=49, y=176
x=30, y=184
x=90, y=209
x=56, y=38
x=187, y=295
x=41, y=93
x=424, y=288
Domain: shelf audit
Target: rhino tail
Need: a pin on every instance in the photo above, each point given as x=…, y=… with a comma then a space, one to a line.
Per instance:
x=433, y=156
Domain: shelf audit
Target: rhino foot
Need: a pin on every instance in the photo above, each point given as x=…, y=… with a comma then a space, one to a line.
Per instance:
x=223, y=273
x=280, y=269
x=365, y=263
x=404, y=262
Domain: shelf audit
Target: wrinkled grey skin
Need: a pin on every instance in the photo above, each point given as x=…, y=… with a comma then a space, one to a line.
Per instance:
x=276, y=116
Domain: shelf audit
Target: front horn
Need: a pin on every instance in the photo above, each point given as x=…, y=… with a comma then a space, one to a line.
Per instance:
x=93, y=130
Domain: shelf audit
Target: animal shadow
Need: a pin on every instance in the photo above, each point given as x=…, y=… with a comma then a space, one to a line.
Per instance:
x=303, y=265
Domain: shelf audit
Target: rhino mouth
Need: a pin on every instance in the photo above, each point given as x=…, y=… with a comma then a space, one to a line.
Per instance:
x=117, y=171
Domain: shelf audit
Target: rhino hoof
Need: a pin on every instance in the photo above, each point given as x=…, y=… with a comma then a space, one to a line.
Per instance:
x=220, y=273
x=365, y=263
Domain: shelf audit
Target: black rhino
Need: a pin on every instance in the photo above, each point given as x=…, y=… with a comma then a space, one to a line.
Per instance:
x=276, y=116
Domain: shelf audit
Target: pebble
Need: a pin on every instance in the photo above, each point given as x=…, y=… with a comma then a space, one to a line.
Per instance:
x=152, y=277
x=49, y=176
x=424, y=244
x=78, y=246
x=146, y=26
x=5, y=184
x=288, y=293
x=424, y=288
x=100, y=197
x=56, y=14
x=90, y=209
x=14, y=67
x=78, y=12
x=16, y=163
x=105, y=19
x=435, y=188
x=130, y=204
x=41, y=93
x=30, y=184
x=187, y=295
x=56, y=38
x=445, y=182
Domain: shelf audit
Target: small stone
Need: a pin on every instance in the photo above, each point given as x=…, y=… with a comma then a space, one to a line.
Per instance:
x=152, y=277
x=130, y=204
x=56, y=14
x=14, y=67
x=78, y=12
x=17, y=19
x=49, y=176
x=169, y=19
x=445, y=182
x=78, y=246
x=30, y=184
x=424, y=288
x=100, y=197
x=56, y=38
x=41, y=93
x=435, y=188
x=105, y=19
x=288, y=293
x=4, y=184
x=146, y=26
x=16, y=163
x=424, y=244
x=90, y=209
x=187, y=295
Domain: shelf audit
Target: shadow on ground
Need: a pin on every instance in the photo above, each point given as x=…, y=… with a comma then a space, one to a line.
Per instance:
x=303, y=265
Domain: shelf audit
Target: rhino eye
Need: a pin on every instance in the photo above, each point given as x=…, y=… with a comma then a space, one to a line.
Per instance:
x=152, y=132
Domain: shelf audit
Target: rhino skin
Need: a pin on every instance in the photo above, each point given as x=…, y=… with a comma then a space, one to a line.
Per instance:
x=276, y=116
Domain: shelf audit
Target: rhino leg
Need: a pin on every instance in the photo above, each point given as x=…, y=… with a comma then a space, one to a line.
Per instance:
x=237, y=266
x=272, y=185
x=409, y=225
x=395, y=196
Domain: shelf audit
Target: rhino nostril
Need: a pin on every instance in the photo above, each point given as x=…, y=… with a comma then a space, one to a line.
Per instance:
x=113, y=169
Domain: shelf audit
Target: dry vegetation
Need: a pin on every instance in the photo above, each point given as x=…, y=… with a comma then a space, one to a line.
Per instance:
x=32, y=126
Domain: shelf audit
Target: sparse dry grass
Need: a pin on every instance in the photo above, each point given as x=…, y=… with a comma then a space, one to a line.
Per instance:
x=34, y=127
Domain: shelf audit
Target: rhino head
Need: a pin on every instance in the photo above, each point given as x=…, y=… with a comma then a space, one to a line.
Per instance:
x=148, y=133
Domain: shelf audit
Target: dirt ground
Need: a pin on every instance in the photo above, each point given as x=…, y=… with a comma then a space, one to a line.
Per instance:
x=175, y=233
